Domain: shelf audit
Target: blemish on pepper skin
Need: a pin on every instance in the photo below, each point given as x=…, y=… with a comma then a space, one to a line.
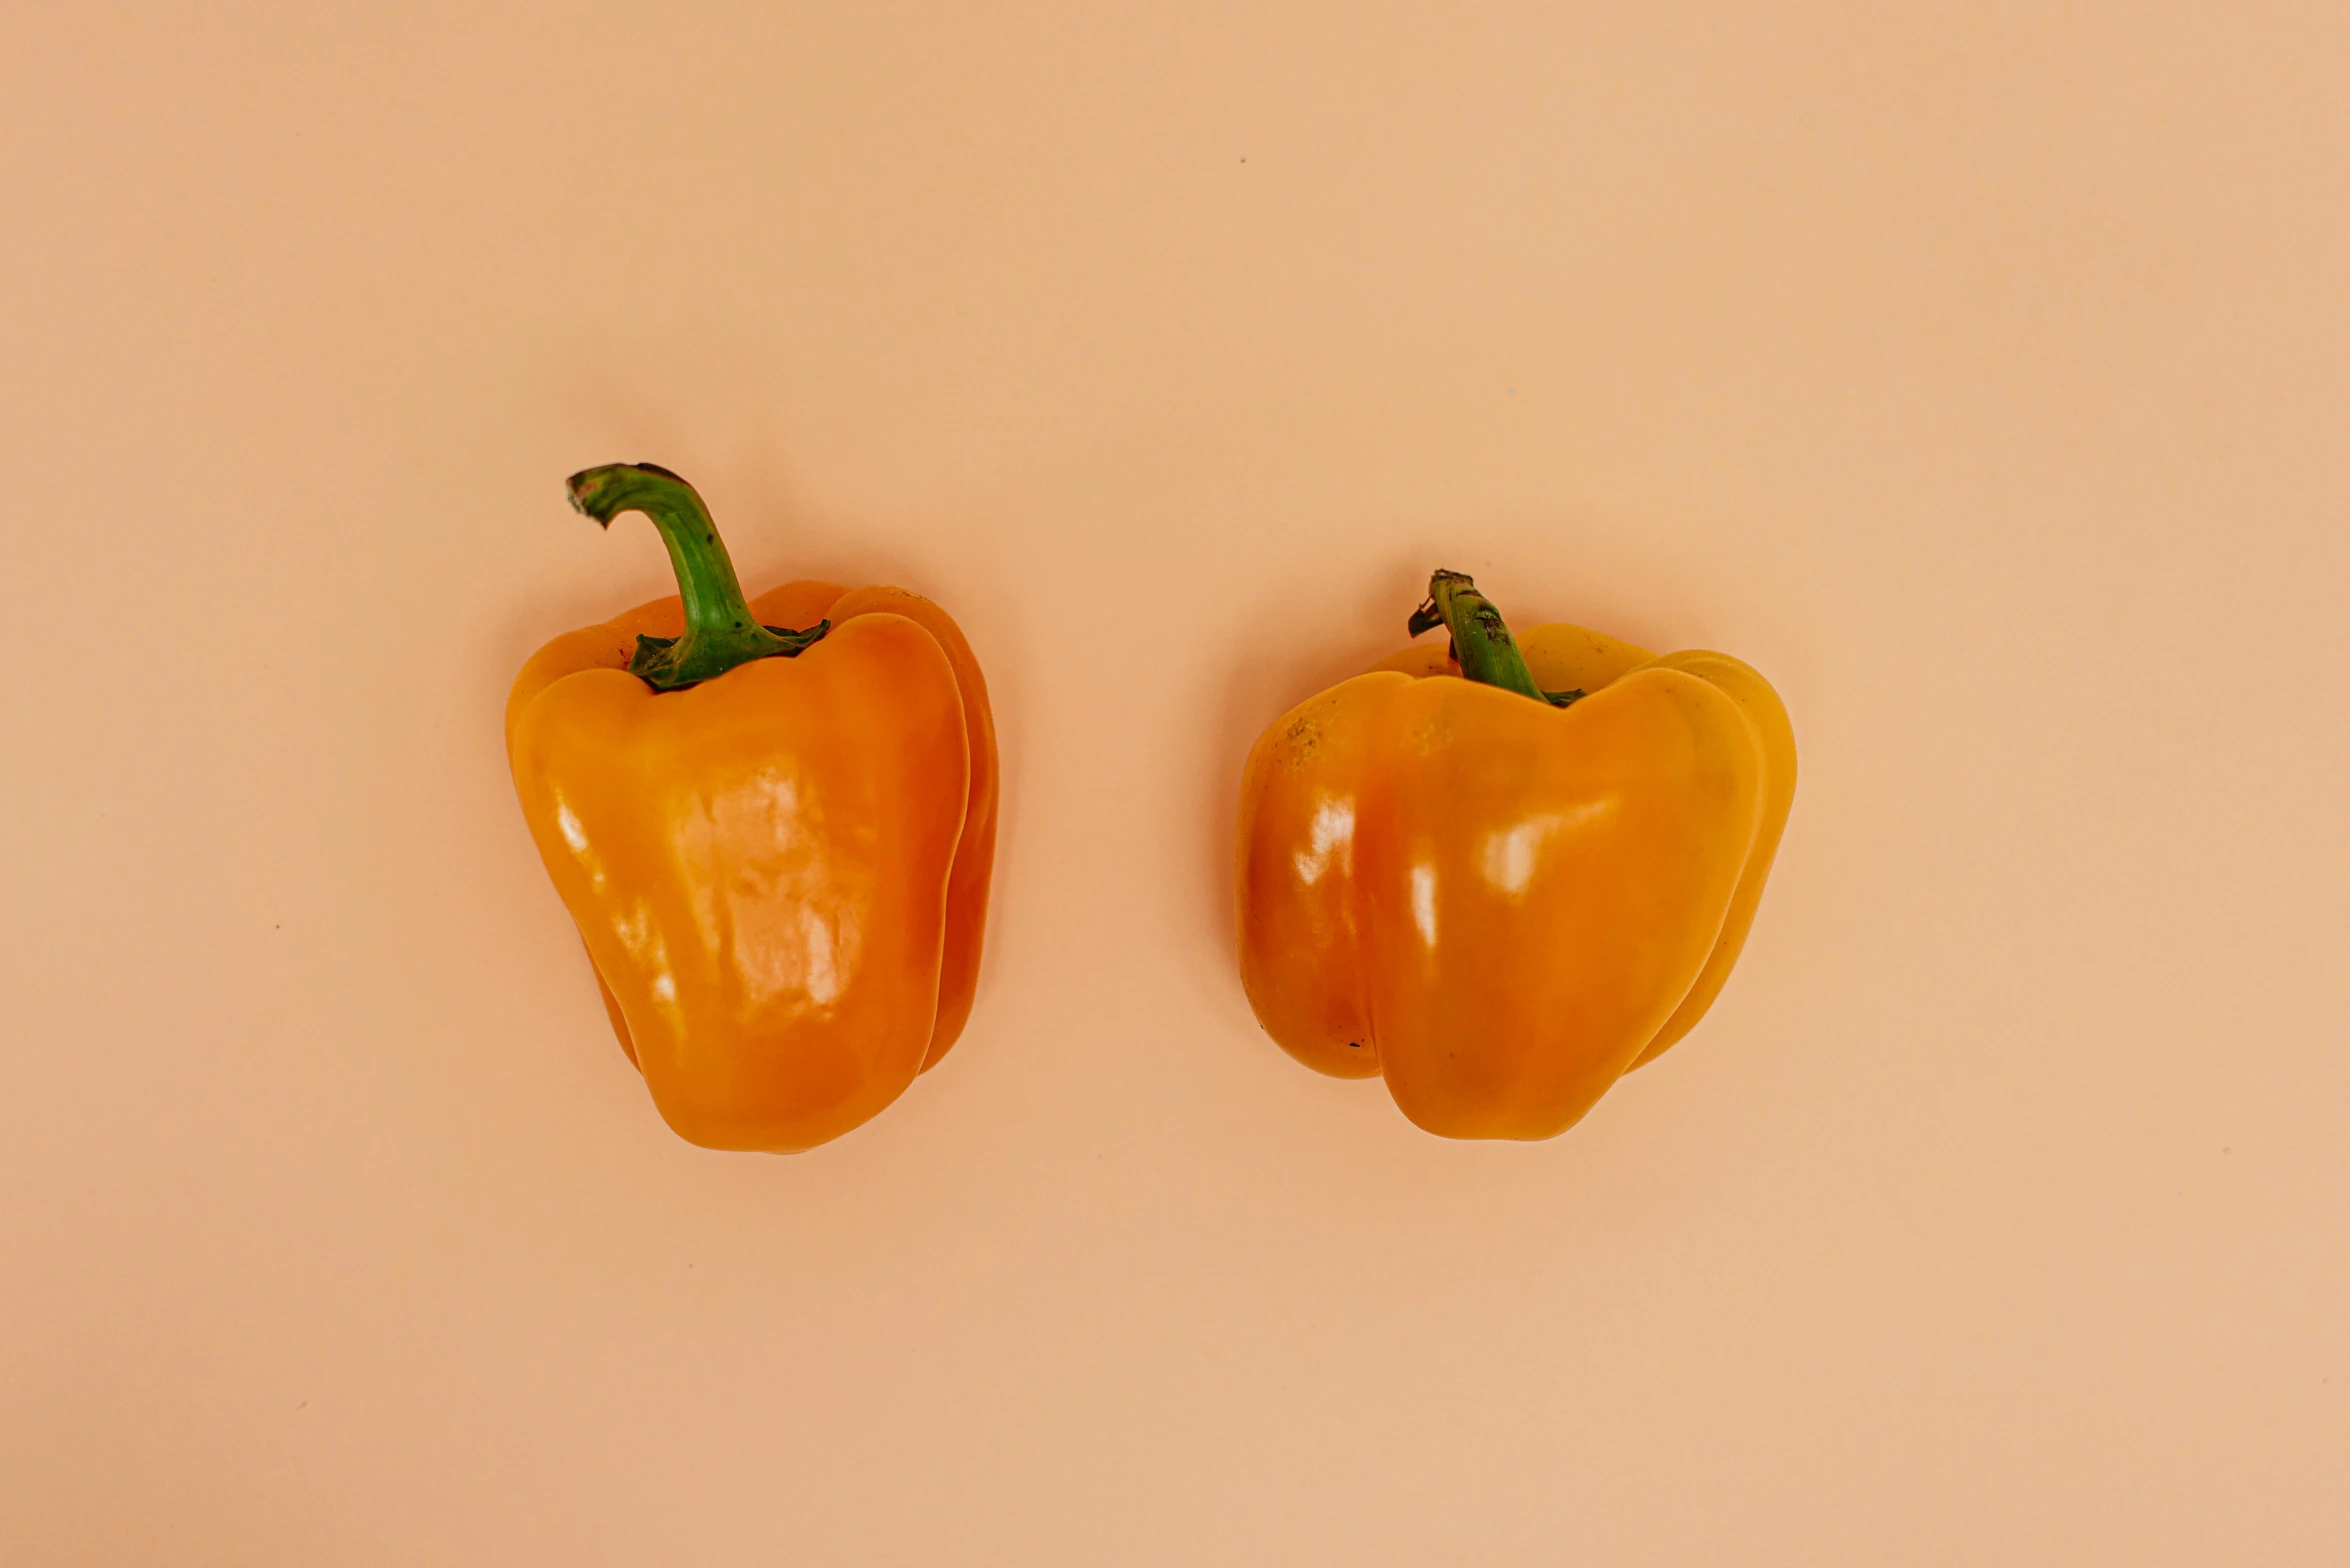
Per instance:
x=1354, y=1045
x=1302, y=739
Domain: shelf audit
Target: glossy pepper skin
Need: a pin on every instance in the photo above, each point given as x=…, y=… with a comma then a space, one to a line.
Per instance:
x=1503, y=879
x=780, y=864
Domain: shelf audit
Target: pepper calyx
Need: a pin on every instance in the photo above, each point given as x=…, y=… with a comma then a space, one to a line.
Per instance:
x=720, y=631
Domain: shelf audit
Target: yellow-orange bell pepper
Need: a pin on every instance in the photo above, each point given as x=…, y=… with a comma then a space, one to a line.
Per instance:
x=1504, y=876
x=775, y=843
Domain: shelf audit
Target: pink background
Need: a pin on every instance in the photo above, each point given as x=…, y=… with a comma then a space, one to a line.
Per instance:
x=1981, y=379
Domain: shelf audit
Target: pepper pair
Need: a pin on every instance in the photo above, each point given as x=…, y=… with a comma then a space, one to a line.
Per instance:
x=1499, y=874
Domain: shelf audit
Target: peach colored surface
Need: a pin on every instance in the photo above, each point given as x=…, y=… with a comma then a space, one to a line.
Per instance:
x=1982, y=380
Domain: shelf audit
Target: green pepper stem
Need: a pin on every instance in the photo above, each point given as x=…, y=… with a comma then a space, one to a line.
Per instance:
x=1481, y=640
x=720, y=631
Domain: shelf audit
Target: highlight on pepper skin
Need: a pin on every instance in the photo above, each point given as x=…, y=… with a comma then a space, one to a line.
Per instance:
x=1500, y=873
x=773, y=823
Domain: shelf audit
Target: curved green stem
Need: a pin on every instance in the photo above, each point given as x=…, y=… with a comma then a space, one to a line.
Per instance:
x=1481, y=639
x=720, y=631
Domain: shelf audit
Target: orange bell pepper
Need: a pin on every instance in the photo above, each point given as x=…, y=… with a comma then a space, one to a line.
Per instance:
x=1502, y=877
x=776, y=844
